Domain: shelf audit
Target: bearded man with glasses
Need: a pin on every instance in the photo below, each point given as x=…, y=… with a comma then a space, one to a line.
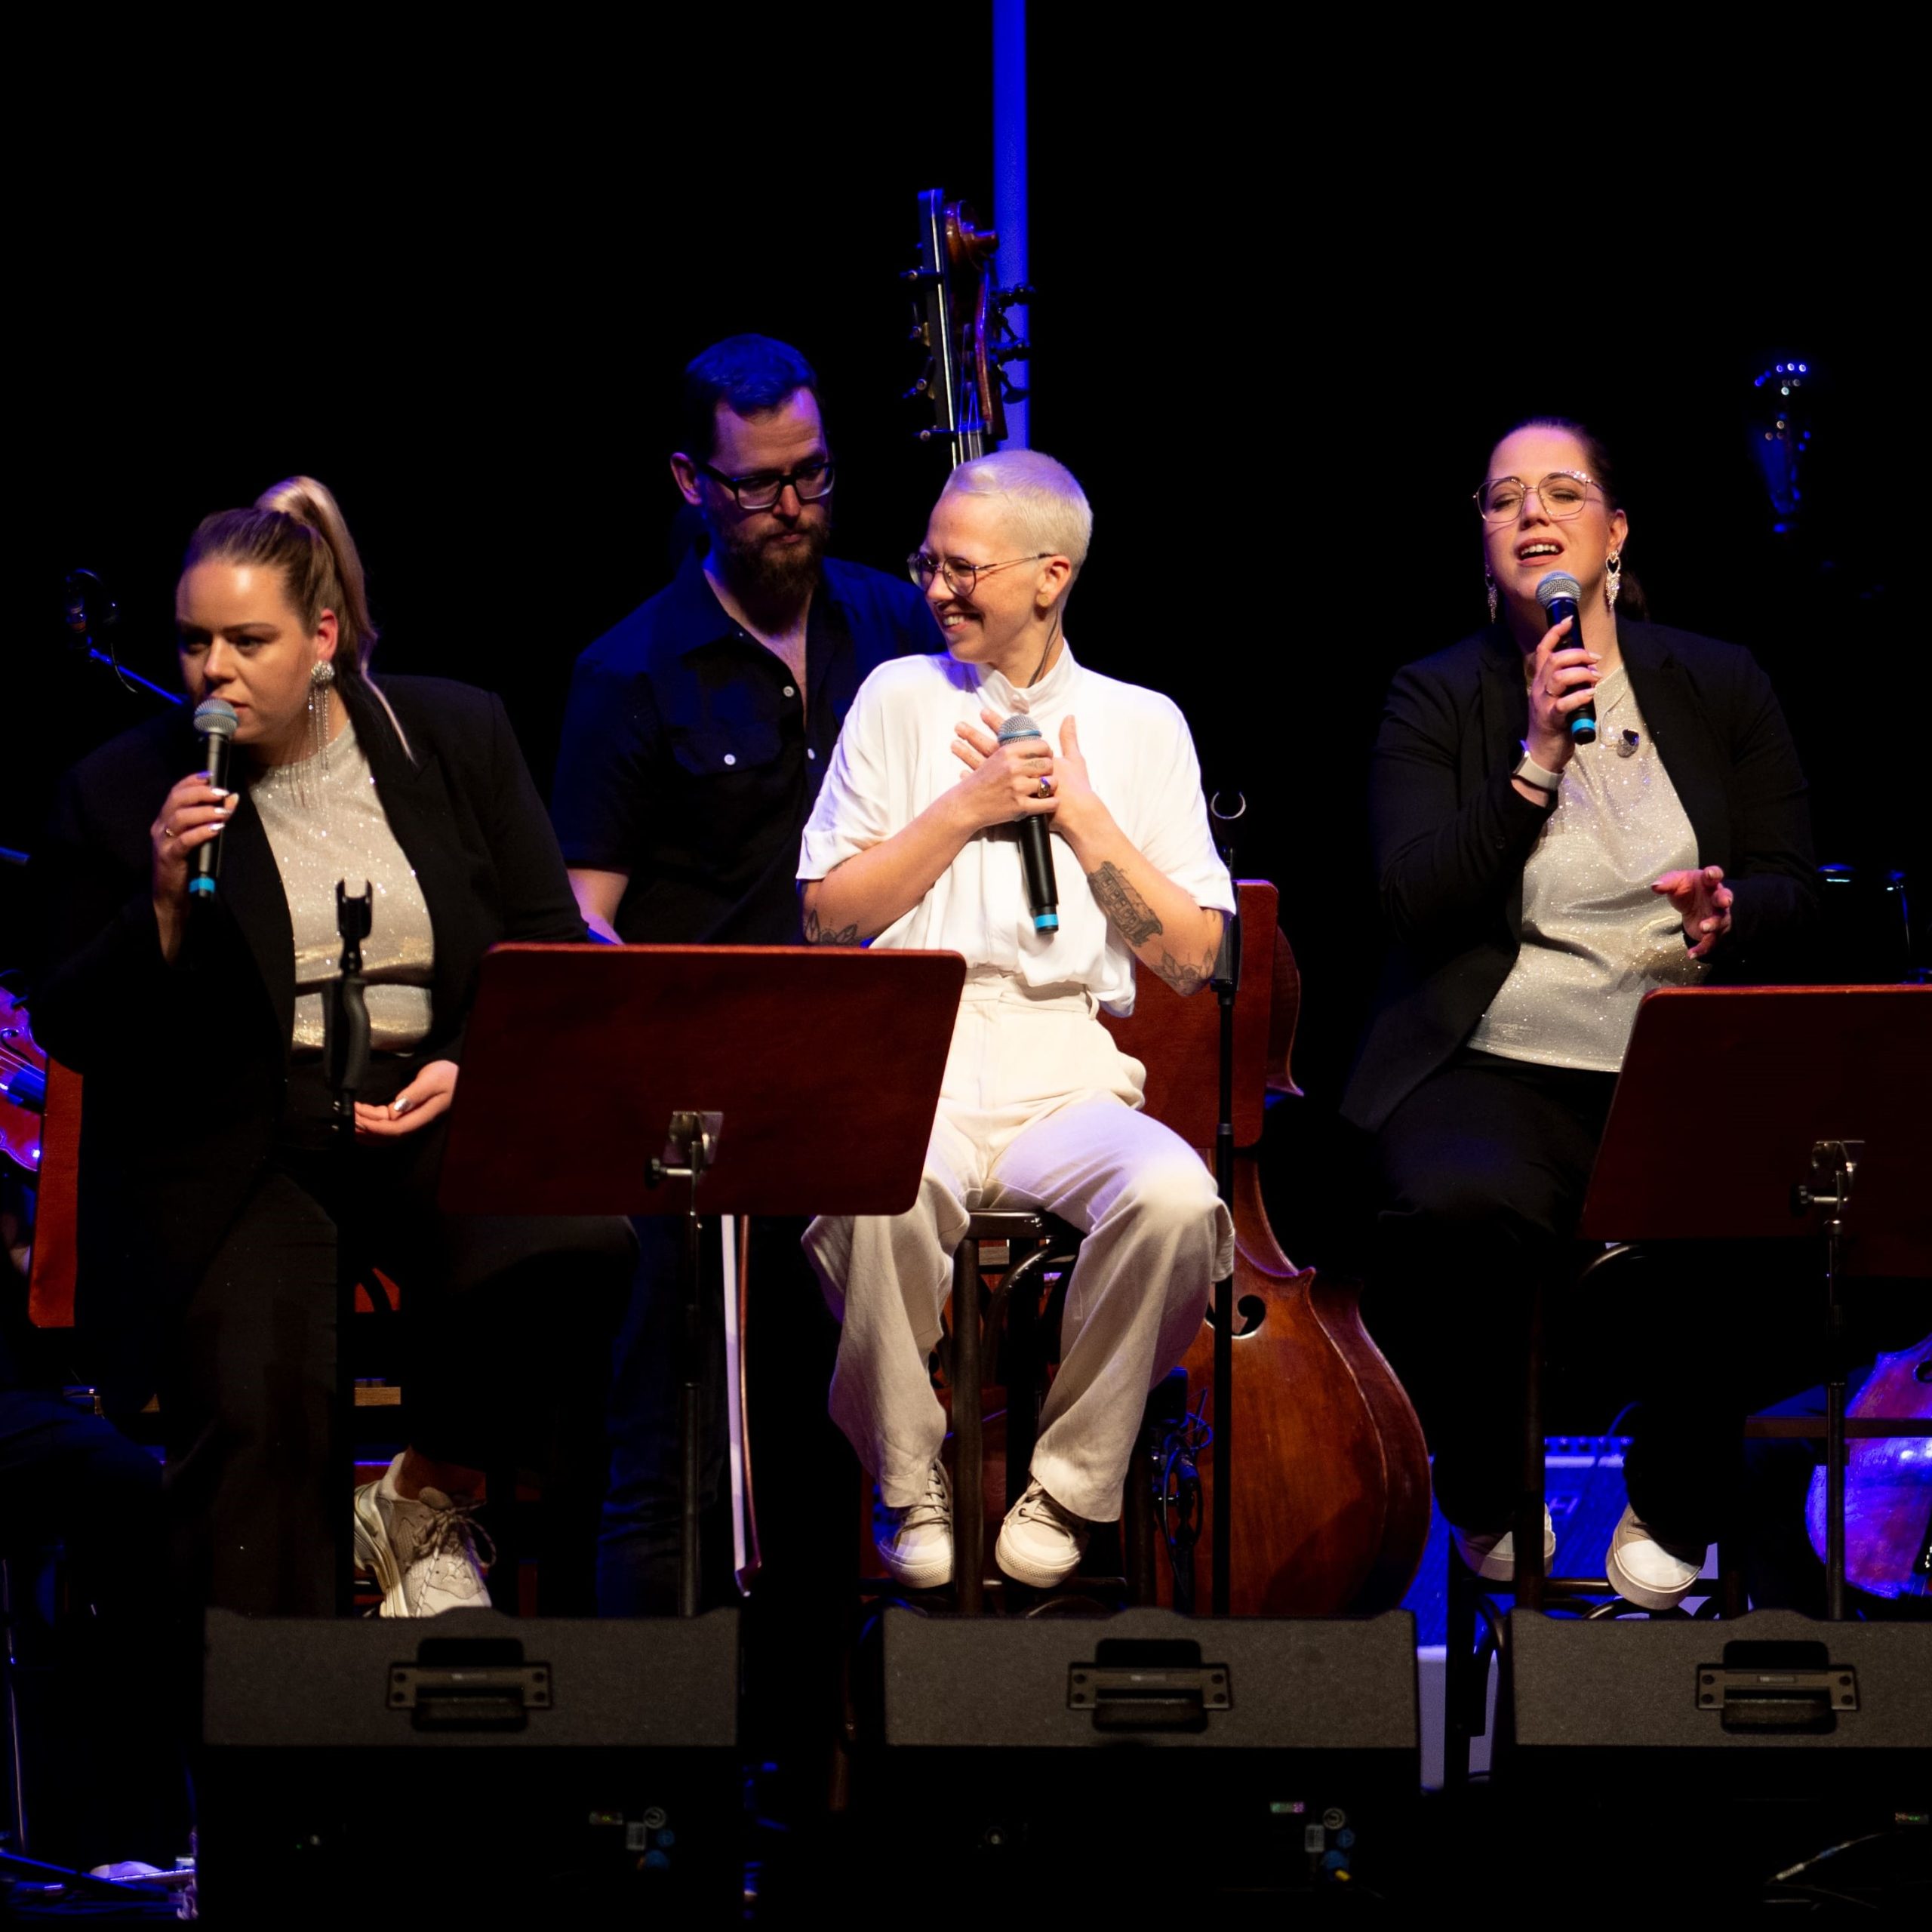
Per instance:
x=912, y=844
x=696, y=735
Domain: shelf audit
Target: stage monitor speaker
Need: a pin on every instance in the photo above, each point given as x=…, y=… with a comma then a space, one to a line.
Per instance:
x=415, y=1770
x=1147, y=1754
x=1799, y=1700
x=1728, y=1752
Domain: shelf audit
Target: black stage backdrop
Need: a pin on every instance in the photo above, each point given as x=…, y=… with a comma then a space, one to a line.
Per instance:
x=1282, y=315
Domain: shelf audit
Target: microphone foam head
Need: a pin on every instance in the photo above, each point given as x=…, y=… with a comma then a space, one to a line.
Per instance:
x=215, y=717
x=1018, y=726
x=1559, y=583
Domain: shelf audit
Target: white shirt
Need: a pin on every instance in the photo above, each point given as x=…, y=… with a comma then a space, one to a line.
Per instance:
x=1596, y=939
x=894, y=757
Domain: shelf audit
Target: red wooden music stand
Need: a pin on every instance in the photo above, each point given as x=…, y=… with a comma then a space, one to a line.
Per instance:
x=690, y=1079
x=1750, y=1111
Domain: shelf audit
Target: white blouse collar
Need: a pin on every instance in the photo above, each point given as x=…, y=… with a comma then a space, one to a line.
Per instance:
x=1000, y=694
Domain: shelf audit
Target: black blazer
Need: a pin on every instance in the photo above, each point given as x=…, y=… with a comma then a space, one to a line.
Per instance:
x=1451, y=834
x=186, y=1066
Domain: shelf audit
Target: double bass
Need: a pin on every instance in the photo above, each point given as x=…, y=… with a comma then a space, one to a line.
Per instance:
x=1331, y=1506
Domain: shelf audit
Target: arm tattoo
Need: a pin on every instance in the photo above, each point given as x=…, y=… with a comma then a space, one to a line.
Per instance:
x=1184, y=978
x=1130, y=913
x=816, y=935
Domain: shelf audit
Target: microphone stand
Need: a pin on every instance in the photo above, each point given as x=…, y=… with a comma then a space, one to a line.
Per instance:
x=346, y=1055
x=1226, y=983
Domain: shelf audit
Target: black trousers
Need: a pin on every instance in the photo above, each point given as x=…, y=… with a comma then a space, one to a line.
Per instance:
x=503, y=1346
x=1483, y=1171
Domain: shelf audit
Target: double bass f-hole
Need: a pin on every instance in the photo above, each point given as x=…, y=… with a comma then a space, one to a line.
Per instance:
x=1251, y=1312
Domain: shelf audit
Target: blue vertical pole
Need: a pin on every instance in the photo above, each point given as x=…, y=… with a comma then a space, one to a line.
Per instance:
x=1010, y=182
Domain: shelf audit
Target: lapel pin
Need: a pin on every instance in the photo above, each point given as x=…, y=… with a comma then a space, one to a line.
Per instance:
x=1626, y=746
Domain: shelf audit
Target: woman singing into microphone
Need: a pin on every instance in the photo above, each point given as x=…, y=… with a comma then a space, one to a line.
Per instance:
x=1535, y=890
x=210, y=1190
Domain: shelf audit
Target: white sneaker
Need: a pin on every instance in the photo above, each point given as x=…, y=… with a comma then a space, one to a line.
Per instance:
x=1494, y=1556
x=423, y=1550
x=1041, y=1543
x=916, y=1543
x=1652, y=1574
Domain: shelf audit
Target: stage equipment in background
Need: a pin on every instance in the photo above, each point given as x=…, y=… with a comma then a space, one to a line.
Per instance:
x=1781, y=420
x=960, y=323
x=1887, y=1484
x=537, y=1769
x=1141, y=1754
x=1811, y=1122
x=1330, y=1484
x=87, y=609
x=1010, y=170
x=22, y=1086
x=726, y=1070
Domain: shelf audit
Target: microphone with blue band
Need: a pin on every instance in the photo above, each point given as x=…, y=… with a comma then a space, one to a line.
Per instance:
x=214, y=725
x=1036, y=854
x=1562, y=596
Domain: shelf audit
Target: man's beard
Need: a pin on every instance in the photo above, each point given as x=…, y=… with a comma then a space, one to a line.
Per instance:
x=770, y=576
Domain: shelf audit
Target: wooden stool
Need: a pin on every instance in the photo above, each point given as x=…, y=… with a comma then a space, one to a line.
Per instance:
x=1047, y=1243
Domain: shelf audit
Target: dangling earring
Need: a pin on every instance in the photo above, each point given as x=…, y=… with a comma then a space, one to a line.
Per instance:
x=322, y=675
x=1490, y=582
x=1613, y=580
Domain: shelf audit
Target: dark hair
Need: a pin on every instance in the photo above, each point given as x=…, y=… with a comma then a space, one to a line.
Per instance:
x=753, y=373
x=1603, y=466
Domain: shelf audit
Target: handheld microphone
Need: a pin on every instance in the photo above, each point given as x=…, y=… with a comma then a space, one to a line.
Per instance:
x=1562, y=596
x=1036, y=854
x=214, y=725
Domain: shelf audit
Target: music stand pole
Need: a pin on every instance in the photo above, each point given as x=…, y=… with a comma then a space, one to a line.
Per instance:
x=1227, y=984
x=692, y=1141
x=1834, y=1163
x=345, y=1058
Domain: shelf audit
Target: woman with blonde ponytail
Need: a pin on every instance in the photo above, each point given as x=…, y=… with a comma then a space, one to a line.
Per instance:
x=211, y=1192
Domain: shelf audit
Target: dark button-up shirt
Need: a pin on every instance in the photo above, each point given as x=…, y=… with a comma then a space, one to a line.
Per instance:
x=690, y=762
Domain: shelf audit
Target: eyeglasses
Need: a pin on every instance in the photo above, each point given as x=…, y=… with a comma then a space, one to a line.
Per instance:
x=959, y=577
x=762, y=490
x=1563, y=493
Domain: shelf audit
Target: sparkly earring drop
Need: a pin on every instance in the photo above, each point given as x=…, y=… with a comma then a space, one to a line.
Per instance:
x=1613, y=580
x=1490, y=582
x=322, y=675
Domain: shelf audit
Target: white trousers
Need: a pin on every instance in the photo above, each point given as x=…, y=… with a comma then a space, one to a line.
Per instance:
x=1038, y=1111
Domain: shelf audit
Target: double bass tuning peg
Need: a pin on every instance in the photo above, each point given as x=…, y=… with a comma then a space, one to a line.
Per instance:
x=1017, y=297
x=1011, y=351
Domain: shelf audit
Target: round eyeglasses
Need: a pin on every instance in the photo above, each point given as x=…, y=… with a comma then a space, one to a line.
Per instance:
x=1563, y=493
x=761, y=491
x=960, y=576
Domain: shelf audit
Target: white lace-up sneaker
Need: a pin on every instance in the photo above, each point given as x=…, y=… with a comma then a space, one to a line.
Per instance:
x=423, y=1550
x=1041, y=1543
x=1494, y=1556
x=916, y=1543
x=1643, y=1570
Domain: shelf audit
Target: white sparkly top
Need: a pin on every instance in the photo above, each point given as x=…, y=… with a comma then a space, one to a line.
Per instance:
x=1595, y=938
x=894, y=757
x=326, y=824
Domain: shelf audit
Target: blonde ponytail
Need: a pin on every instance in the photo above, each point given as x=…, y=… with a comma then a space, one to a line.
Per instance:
x=297, y=528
